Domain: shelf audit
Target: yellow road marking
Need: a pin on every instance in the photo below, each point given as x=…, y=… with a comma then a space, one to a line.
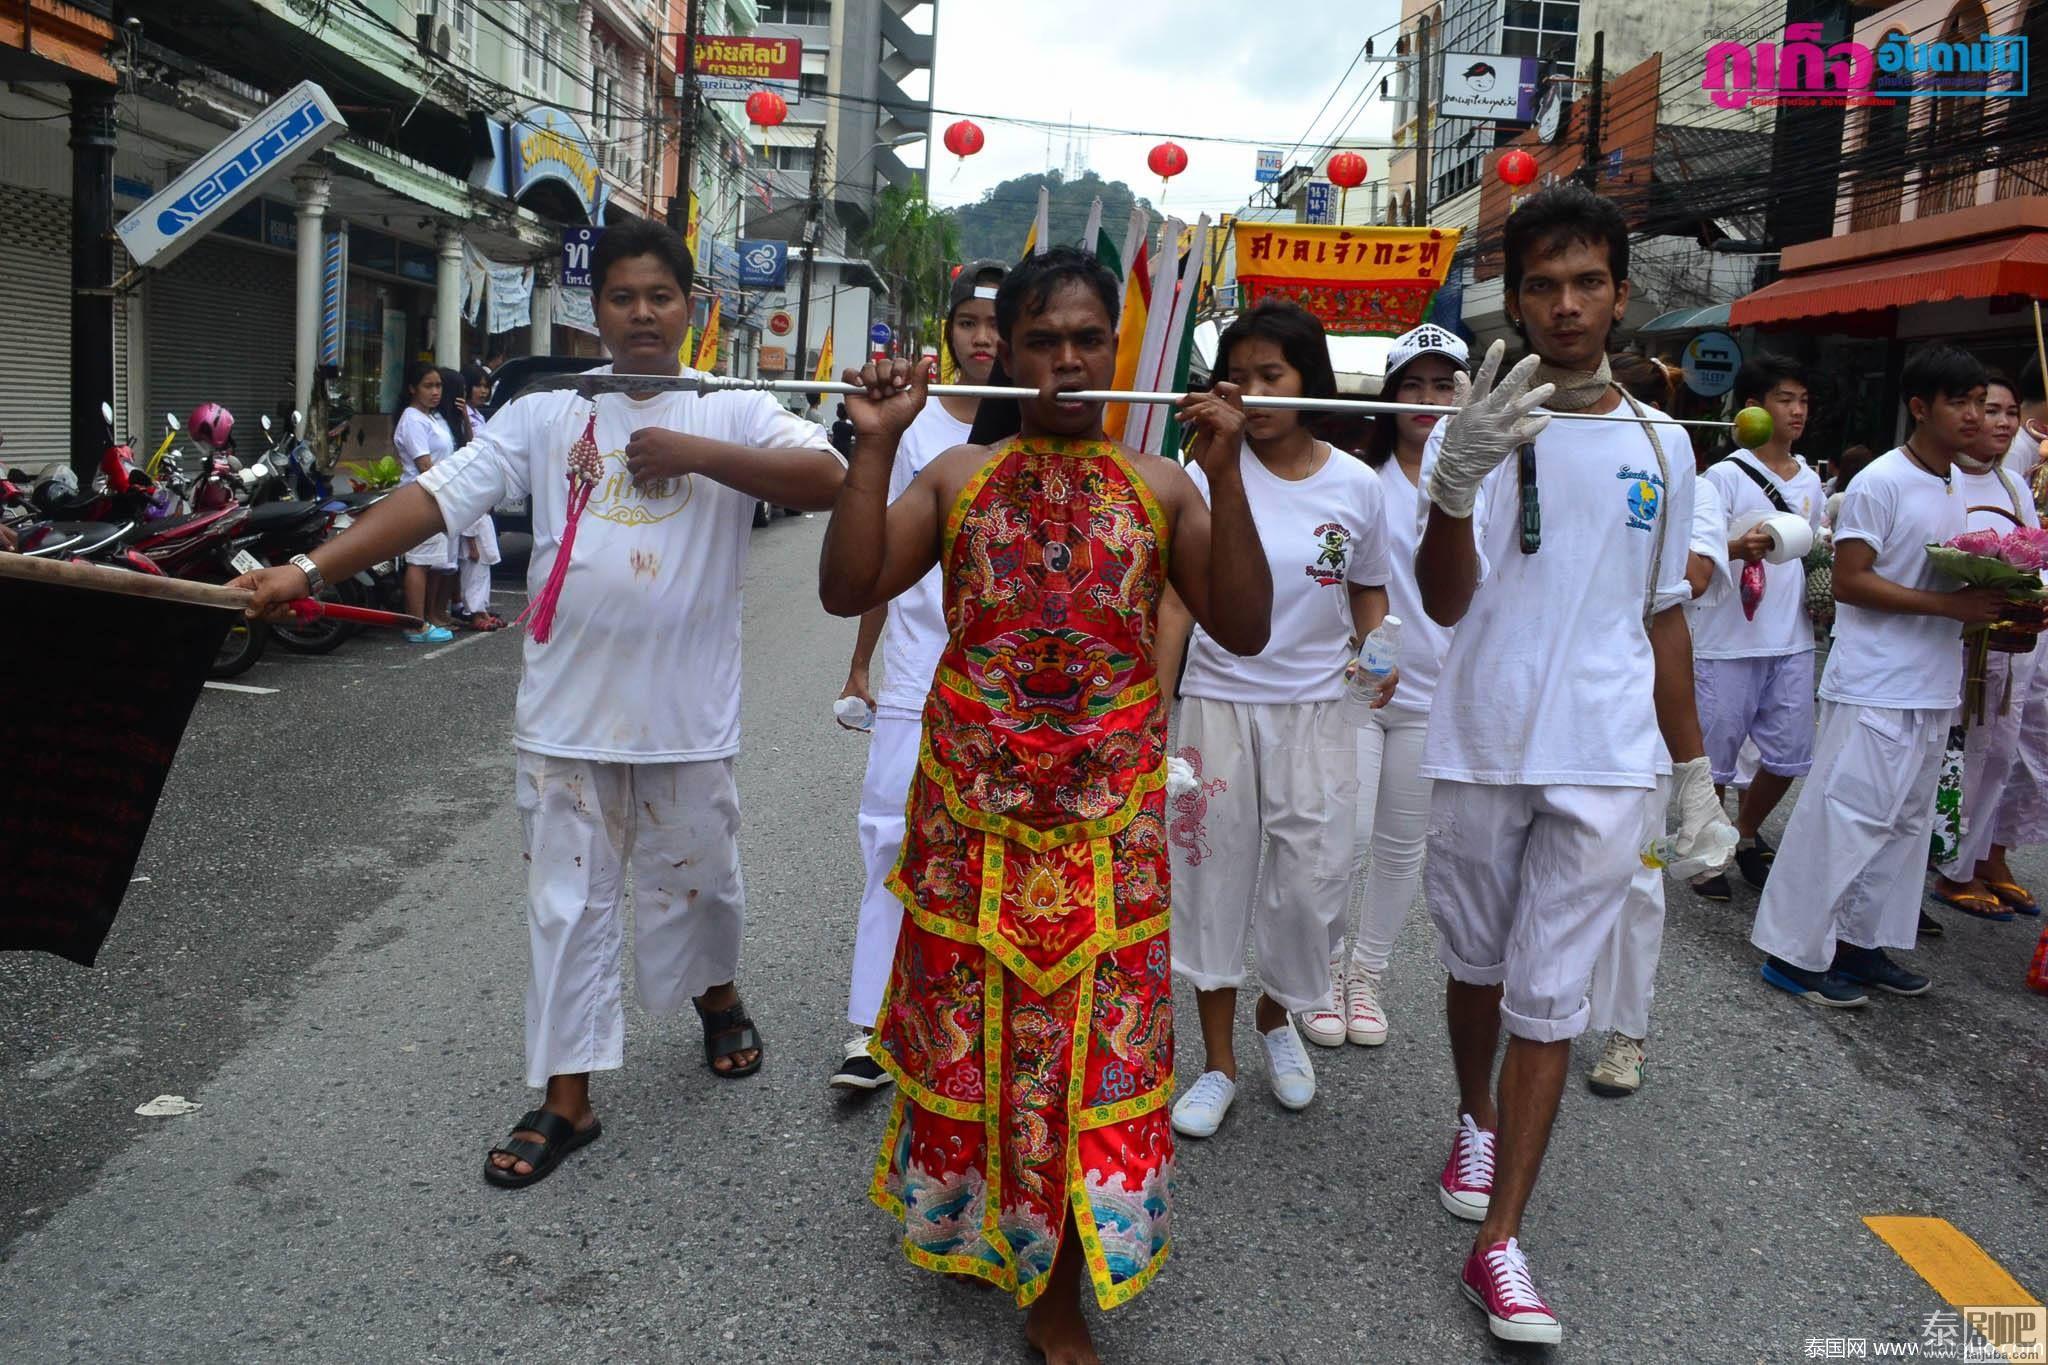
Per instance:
x=1959, y=1270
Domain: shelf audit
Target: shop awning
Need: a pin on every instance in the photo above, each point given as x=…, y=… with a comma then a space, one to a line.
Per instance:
x=2014, y=264
x=1686, y=320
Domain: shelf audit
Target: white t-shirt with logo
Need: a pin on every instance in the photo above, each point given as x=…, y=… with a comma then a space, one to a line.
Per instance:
x=1721, y=631
x=1888, y=658
x=1988, y=490
x=1550, y=679
x=643, y=665
x=1423, y=641
x=1319, y=533
x=915, y=635
x=420, y=434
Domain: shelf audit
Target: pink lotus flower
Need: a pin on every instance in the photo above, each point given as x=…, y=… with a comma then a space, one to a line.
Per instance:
x=1977, y=543
x=2026, y=548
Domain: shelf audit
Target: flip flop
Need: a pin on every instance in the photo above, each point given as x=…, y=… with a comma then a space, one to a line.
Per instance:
x=559, y=1138
x=1973, y=904
x=726, y=1032
x=2015, y=897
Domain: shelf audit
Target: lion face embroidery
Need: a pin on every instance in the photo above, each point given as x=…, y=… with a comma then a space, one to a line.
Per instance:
x=1063, y=672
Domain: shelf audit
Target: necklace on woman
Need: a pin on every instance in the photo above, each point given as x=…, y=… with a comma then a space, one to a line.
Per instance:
x=1947, y=480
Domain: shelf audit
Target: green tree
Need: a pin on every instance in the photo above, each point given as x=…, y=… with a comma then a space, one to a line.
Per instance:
x=994, y=227
x=913, y=247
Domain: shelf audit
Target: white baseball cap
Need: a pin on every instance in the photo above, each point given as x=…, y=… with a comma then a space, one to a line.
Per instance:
x=1428, y=339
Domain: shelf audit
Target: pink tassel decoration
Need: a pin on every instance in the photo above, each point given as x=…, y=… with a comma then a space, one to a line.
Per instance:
x=585, y=467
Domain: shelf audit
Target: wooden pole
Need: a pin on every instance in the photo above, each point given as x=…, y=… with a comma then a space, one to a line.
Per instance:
x=73, y=574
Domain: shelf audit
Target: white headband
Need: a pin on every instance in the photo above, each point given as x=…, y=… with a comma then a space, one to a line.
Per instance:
x=982, y=291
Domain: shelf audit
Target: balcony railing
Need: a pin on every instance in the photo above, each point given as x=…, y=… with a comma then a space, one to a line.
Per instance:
x=2020, y=179
x=1876, y=204
x=1946, y=191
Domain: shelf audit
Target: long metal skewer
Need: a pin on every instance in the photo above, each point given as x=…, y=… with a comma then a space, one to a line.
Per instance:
x=590, y=385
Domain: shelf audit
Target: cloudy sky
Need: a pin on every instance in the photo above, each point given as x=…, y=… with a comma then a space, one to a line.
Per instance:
x=1253, y=73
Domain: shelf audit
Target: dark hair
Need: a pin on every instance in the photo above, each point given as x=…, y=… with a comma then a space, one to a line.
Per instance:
x=1940, y=371
x=2031, y=389
x=454, y=409
x=1295, y=331
x=415, y=371
x=1763, y=372
x=473, y=374
x=946, y=333
x=1644, y=376
x=1850, y=463
x=1030, y=286
x=1478, y=67
x=639, y=237
x=1558, y=215
x=1994, y=375
x=1383, y=436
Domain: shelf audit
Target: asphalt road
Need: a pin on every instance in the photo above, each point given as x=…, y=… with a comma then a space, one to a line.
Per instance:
x=329, y=957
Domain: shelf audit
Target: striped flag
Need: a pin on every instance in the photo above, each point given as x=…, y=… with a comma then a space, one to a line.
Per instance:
x=1176, y=339
x=707, y=349
x=1040, y=236
x=1135, y=265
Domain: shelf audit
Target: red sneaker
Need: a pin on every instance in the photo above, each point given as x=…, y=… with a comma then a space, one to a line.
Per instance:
x=1466, y=1186
x=1497, y=1279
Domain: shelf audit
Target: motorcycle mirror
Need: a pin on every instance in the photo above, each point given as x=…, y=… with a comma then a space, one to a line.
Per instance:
x=266, y=423
x=298, y=422
x=171, y=420
x=107, y=413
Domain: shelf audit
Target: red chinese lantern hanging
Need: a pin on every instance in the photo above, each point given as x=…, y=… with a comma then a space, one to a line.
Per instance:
x=1347, y=172
x=964, y=138
x=765, y=108
x=1168, y=160
x=1516, y=167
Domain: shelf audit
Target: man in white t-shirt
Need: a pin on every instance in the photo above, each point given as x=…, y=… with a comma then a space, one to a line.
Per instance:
x=1570, y=660
x=628, y=717
x=1752, y=648
x=912, y=631
x=1848, y=879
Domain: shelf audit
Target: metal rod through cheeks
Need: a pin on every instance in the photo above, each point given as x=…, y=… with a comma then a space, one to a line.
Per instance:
x=1365, y=407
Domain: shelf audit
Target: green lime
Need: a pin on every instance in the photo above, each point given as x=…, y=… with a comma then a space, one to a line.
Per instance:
x=1752, y=428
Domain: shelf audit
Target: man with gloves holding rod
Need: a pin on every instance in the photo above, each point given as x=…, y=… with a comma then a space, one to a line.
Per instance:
x=1570, y=658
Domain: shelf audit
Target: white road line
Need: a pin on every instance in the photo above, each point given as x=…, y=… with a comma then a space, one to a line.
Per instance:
x=242, y=687
x=473, y=638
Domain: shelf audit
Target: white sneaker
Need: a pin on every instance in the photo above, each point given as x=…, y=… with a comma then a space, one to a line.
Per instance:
x=1199, y=1112
x=1324, y=1025
x=1365, y=1019
x=1294, y=1080
x=1619, y=1071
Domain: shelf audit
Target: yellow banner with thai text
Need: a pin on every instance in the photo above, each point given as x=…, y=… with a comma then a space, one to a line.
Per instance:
x=1358, y=281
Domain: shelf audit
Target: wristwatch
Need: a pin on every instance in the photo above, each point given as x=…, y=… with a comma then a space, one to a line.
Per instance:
x=314, y=582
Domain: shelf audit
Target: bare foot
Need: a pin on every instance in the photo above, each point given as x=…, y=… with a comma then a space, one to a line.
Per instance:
x=1056, y=1330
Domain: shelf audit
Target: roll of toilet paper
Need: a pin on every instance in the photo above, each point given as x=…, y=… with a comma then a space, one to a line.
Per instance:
x=1791, y=537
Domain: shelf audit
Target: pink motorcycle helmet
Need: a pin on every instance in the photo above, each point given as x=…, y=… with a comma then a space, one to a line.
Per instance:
x=211, y=424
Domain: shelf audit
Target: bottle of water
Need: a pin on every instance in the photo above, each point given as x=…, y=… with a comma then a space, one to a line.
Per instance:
x=1661, y=851
x=1367, y=676
x=854, y=713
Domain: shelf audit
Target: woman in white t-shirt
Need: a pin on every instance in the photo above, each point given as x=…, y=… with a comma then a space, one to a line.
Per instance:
x=1274, y=756
x=421, y=436
x=1393, y=798
x=477, y=550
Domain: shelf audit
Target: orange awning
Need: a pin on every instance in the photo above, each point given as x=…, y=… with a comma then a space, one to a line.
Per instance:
x=1974, y=270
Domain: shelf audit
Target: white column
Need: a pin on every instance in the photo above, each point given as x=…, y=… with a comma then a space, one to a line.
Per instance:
x=314, y=189
x=542, y=338
x=448, y=297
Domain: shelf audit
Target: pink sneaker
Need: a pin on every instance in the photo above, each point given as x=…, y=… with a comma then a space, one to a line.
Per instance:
x=1466, y=1186
x=1497, y=1279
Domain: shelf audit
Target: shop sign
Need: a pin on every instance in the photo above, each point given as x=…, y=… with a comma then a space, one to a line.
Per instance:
x=732, y=68
x=577, y=244
x=774, y=359
x=546, y=144
x=1711, y=360
x=764, y=264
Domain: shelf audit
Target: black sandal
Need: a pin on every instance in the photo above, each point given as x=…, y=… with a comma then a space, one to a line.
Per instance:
x=727, y=1032
x=558, y=1139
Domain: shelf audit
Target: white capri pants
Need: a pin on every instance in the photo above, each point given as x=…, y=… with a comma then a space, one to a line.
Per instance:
x=1626, y=975
x=1282, y=779
x=677, y=826
x=892, y=763
x=476, y=573
x=1525, y=885
x=1991, y=751
x=1393, y=827
x=1850, y=866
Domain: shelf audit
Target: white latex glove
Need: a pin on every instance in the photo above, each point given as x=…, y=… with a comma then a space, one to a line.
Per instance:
x=1489, y=423
x=1705, y=839
x=1180, y=777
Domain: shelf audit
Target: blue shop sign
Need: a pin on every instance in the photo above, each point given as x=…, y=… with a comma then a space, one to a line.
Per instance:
x=764, y=264
x=546, y=144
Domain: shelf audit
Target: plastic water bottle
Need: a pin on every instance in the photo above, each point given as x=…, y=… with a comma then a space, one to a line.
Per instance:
x=854, y=713
x=1368, y=675
x=1715, y=844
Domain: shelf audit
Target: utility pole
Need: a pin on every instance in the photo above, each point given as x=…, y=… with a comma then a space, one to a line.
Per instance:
x=1422, y=107
x=686, y=132
x=1589, y=174
x=92, y=272
x=811, y=212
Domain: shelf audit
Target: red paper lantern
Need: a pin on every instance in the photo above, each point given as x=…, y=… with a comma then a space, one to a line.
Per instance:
x=766, y=108
x=1167, y=160
x=964, y=138
x=1347, y=170
x=1517, y=167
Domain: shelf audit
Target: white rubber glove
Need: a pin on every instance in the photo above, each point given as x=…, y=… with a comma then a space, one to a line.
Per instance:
x=1705, y=839
x=1489, y=423
x=1180, y=777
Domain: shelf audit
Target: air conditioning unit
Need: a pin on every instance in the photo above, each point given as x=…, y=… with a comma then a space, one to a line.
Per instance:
x=433, y=38
x=444, y=41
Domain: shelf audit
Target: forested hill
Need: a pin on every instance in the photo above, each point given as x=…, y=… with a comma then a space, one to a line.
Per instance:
x=996, y=226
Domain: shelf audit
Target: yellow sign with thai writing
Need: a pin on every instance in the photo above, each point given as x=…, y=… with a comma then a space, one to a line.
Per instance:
x=1359, y=281
x=549, y=145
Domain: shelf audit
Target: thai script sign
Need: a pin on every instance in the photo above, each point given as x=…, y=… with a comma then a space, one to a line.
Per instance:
x=1800, y=71
x=734, y=68
x=1359, y=281
x=549, y=145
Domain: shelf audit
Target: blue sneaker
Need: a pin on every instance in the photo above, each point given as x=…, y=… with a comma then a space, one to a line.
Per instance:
x=1822, y=988
x=1873, y=968
x=432, y=635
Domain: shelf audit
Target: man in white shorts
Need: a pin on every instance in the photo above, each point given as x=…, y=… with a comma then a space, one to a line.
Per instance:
x=1752, y=648
x=1570, y=658
x=914, y=637
x=1847, y=882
